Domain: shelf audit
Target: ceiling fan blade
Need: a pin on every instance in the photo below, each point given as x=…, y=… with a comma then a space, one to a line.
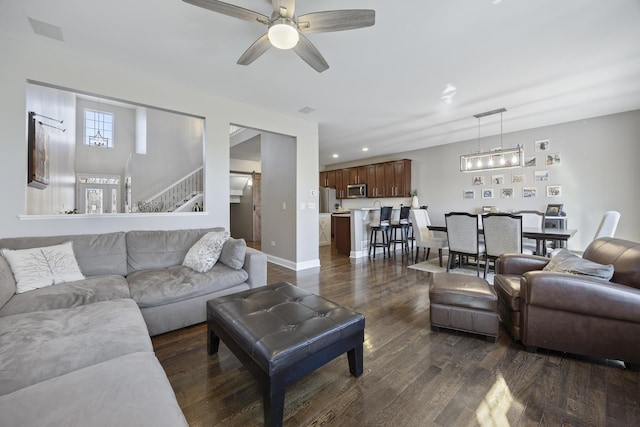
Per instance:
x=256, y=50
x=309, y=54
x=230, y=10
x=336, y=20
x=288, y=5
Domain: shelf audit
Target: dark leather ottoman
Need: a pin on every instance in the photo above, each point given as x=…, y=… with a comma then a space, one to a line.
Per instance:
x=281, y=333
x=465, y=303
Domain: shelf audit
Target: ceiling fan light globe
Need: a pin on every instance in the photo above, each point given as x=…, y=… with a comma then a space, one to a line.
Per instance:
x=283, y=35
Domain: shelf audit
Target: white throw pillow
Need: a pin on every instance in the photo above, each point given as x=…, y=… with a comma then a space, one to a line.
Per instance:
x=205, y=252
x=41, y=267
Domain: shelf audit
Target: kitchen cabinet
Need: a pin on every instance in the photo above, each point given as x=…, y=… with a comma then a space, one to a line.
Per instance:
x=343, y=234
x=387, y=179
x=397, y=178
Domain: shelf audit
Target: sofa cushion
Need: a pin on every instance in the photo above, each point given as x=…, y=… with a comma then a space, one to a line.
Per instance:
x=233, y=252
x=7, y=282
x=36, y=268
x=623, y=254
x=567, y=262
x=37, y=346
x=70, y=294
x=163, y=286
x=130, y=390
x=205, y=252
x=147, y=250
x=97, y=254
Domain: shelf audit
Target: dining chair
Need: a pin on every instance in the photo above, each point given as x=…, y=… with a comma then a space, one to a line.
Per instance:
x=607, y=228
x=426, y=238
x=403, y=225
x=383, y=228
x=502, y=234
x=462, y=235
x=532, y=219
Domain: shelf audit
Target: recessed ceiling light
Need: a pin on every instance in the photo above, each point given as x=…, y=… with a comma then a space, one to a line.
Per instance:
x=365, y=149
x=335, y=155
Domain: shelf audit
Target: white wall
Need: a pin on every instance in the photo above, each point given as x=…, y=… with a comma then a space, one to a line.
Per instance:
x=599, y=171
x=45, y=62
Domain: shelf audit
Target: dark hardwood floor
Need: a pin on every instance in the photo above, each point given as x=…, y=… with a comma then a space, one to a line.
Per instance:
x=412, y=376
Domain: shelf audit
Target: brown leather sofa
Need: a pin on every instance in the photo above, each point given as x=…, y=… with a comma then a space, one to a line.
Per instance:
x=574, y=313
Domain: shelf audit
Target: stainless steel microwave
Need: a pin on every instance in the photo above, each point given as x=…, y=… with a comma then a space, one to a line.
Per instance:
x=356, y=191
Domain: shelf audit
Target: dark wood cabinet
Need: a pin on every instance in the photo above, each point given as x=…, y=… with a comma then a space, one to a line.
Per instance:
x=388, y=179
x=343, y=234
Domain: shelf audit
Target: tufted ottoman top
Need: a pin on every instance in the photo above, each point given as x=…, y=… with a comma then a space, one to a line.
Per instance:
x=281, y=324
x=463, y=291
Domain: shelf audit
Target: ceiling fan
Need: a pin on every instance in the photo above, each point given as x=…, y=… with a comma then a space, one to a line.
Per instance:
x=286, y=30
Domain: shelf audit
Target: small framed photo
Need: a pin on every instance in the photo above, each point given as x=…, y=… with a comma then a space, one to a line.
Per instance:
x=541, y=175
x=529, y=161
x=478, y=180
x=517, y=145
x=528, y=192
x=553, y=210
x=554, y=191
x=542, y=145
x=487, y=193
x=497, y=179
x=469, y=194
x=553, y=159
x=506, y=193
x=517, y=178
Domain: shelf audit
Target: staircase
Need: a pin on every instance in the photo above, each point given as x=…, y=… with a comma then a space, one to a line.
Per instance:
x=182, y=195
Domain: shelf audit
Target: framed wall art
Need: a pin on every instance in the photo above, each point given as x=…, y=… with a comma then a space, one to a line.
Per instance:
x=542, y=145
x=554, y=191
x=469, y=194
x=487, y=193
x=528, y=192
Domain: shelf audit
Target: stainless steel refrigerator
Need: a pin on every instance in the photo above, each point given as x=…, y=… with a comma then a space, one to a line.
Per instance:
x=327, y=199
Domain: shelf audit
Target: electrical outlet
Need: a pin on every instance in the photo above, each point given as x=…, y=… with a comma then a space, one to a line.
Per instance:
x=284, y=205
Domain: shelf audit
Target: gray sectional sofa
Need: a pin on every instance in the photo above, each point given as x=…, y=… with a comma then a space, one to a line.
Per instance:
x=80, y=353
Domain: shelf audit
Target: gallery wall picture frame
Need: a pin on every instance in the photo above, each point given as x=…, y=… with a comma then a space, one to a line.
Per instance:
x=529, y=162
x=542, y=145
x=477, y=180
x=469, y=194
x=487, y=193
x=552, y=159
x=541, y=175
x=497, y=179
x=506, y=193
x=529, y=192
x=554, y=191
x=517, y=178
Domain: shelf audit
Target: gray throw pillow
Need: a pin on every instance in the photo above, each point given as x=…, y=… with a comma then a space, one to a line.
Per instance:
x=233, y=252
x=567, y=262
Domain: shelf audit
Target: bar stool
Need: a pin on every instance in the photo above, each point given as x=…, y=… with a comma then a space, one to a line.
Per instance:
x=383, y=227
x=404, y=226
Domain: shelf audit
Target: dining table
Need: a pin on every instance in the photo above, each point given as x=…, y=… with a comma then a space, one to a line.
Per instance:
x=540, y=235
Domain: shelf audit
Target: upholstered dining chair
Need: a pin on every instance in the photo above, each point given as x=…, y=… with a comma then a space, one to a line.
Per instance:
x=383, y=228
x=462, y=234
x=426, y=238
x=607, y=228
x=502, y=234
x=531, y=219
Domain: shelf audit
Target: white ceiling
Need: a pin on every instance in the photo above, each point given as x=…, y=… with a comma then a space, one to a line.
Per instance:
x=546, y=61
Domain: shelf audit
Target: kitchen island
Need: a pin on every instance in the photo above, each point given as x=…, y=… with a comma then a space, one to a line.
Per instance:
x=360, y=220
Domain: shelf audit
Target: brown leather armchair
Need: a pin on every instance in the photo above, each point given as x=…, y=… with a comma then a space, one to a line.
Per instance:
x=574, y=313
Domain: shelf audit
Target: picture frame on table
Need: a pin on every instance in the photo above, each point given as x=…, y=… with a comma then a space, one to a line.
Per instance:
x=554, y=191
x=554, y=210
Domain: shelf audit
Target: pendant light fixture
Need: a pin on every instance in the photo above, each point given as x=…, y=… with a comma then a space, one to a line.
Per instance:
x=497, y=159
